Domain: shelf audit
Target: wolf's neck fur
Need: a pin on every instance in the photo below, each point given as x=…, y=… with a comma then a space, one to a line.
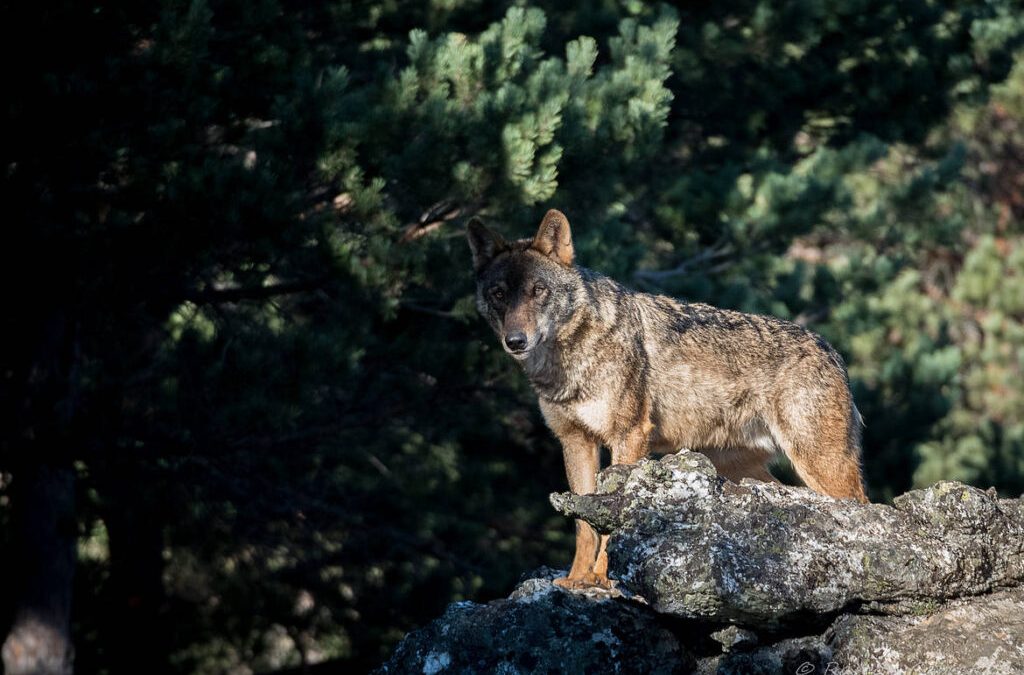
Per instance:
x=560, y=370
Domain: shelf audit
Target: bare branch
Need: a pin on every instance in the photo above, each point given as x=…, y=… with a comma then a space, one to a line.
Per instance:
x=433, y=218
x=685, y=267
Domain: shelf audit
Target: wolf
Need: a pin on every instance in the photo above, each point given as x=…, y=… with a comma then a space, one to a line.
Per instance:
x=640, y=373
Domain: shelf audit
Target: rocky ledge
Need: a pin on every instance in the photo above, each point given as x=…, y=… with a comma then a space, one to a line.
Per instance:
x=714, y=577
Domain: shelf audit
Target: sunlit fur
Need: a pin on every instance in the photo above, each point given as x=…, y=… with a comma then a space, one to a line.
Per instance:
x=640, y=373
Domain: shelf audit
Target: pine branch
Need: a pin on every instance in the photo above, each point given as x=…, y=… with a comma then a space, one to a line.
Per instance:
x=208, y=296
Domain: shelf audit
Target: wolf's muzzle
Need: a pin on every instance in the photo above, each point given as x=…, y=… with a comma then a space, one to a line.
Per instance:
x=516, y=342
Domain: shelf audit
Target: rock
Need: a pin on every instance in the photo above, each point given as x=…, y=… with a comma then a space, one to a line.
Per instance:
x=718, y=578
x=761, y=554
x=542, y=628
x=803, y=655
x=975, y=635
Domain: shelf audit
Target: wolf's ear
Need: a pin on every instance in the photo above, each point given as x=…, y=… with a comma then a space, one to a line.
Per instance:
x=554, y=238
x=483, y=242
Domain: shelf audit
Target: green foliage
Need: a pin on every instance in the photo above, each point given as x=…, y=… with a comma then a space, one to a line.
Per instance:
x=256, y=210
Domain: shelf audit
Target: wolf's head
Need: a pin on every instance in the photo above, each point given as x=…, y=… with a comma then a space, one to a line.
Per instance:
x=526, y=288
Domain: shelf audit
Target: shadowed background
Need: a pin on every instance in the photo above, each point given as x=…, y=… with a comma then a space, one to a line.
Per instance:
x=251, y=421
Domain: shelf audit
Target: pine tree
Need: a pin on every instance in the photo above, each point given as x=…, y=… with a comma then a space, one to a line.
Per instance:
x=251, y=372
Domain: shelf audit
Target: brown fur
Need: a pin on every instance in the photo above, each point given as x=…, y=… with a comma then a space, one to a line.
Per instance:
x=640, y=373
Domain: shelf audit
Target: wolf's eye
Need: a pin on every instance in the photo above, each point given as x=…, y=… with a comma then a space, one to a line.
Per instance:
x=539, y=290
x=497, y=294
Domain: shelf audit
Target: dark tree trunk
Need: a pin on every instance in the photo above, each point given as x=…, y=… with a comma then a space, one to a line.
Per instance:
x=139, y=641
x=40, y=407
x=43, y=502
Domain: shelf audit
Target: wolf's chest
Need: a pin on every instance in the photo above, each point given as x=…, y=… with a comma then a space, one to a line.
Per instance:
x=596, y=414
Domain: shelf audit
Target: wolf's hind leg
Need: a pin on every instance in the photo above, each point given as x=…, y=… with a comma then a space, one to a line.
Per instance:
x=736, y=464
x=825, y=448
x=832, y=472
x=829, y=465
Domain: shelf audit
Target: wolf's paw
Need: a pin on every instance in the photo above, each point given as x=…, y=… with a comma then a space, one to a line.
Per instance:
x=588, y=580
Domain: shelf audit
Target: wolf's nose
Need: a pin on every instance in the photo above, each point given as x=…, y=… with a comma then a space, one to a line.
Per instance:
x=516, y=341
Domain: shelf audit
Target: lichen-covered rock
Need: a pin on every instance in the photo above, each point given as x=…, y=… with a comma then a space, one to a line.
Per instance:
x=756, y=578
x=975, y=635
x=805, y=655
x=542, y=628
x=758, y=554
x=982, y=634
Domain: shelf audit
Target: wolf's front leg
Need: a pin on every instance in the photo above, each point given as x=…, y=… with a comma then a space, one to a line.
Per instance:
x=629, y=449
x=582, y=462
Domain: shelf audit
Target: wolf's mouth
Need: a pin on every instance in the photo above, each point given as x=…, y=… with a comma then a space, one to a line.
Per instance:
x=520, y=354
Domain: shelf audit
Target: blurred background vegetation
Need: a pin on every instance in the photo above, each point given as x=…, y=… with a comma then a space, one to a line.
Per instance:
x=247, y=389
